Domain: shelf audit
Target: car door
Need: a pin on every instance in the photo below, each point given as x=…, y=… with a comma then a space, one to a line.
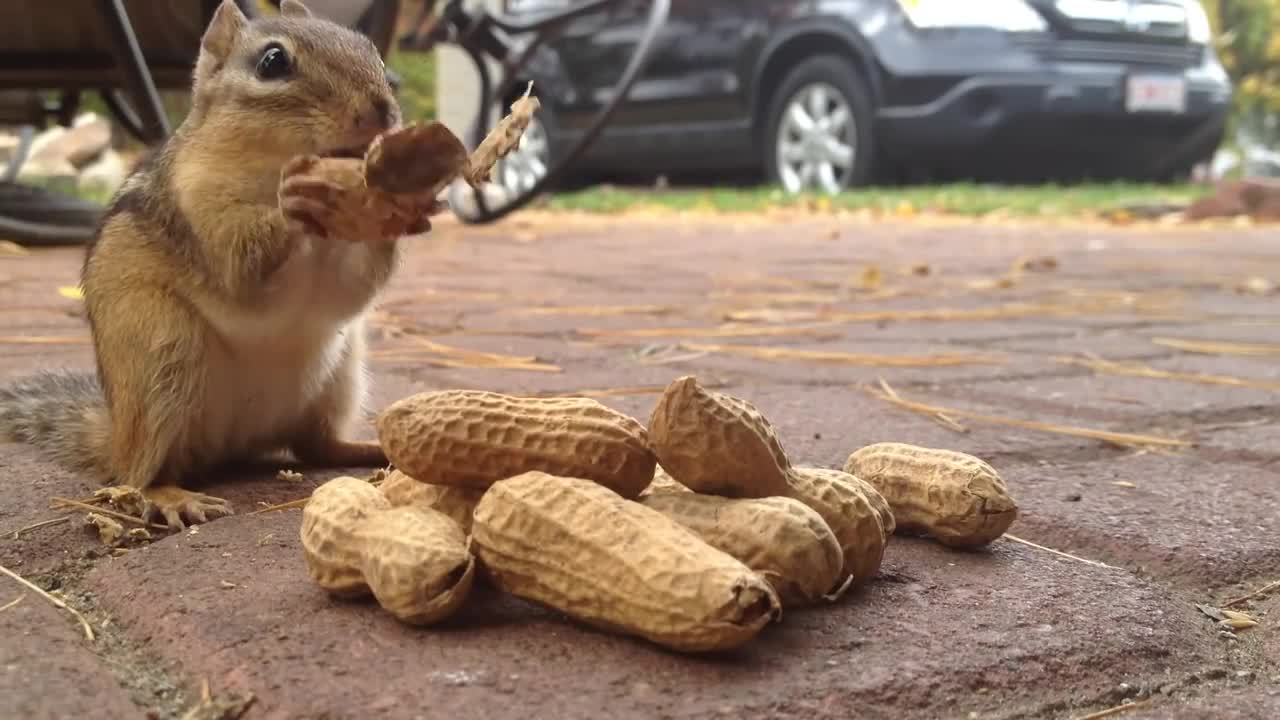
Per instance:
x=693, y=75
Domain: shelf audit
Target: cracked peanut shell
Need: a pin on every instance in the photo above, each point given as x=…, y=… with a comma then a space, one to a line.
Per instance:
x=416, y=563
x=456, y=502
x=783, y=540
x=330, y=520
x=845, y=507
x=614, y=564
x=473, y=438
x=954, y=497
x=716, y=444
x=413, y=560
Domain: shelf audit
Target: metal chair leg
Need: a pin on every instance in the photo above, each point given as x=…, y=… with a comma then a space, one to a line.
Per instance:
x=137, y=76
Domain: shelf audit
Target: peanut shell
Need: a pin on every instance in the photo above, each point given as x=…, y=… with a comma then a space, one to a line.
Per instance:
x=783, y=540
x=716, y=444
x=416, y=562
x=456, y=502
x=617, y=565
x=472, y=438
x=956, y=498
x=663, y=483
x=330, y=520
x=418, y=159
x=852, y=517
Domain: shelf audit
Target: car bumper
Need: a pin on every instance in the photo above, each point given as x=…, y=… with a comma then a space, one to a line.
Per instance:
x=1067, y=106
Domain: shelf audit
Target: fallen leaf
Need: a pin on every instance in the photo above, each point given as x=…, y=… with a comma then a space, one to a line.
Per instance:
x=126, y=499
x=1256, y=286
x=71, y=292
x=226, y=584
x=1238, y=624
x=1211, y=611
x=1236, y=615
x=289, y=475
x=871, y=278
x=108, y=530
x=1044, y=263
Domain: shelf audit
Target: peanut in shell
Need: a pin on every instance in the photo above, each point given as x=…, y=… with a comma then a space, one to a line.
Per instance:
x=413, y=560
x=473, y=438
x=717, y=444
x=783, y=540
x=846, y=509
x=416, y=563
x=956, y=498
x=614, y=564
x=456, y=502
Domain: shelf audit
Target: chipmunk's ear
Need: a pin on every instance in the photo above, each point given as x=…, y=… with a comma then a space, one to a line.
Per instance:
x=219, y=39
x=227, y=24
x=294, y=9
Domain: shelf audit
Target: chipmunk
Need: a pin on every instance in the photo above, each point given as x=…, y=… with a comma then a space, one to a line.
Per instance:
x=226, y=322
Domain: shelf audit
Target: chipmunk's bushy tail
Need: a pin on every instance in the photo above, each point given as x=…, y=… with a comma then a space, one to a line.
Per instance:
x=61, y=413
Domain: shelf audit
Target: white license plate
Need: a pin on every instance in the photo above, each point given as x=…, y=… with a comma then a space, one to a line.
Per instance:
x=1147, y=93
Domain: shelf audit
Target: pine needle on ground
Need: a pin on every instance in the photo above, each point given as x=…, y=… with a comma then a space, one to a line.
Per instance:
x=1126, y=440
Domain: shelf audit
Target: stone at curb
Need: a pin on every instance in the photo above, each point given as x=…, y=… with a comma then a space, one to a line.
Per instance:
x=105, y=174
x=1176, y=517
x=232, y=602
x=88, y=136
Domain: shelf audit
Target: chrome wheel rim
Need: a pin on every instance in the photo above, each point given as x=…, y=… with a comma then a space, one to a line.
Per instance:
x=525, y=165
x=817, y=140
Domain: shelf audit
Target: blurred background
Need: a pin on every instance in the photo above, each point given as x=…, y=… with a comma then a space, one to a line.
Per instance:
x=978, y=107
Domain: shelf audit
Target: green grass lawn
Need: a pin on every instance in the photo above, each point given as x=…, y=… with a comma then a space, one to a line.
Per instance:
x=954, y=199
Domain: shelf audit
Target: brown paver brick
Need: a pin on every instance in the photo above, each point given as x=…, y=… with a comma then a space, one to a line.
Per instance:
x=47, y=669
x=1014, y=632
x=935, y=628
x=1201, y=524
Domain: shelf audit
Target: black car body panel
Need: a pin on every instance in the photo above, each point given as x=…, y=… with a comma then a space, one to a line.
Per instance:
x=957, y=99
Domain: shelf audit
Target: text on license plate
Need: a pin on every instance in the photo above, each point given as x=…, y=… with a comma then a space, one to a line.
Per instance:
x=1147, y=93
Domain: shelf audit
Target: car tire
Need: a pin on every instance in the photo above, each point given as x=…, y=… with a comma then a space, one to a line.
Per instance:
x=840, y=81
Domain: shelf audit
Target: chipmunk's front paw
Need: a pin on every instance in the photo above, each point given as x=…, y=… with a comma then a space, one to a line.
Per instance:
x=314, y=198
x=174, y=505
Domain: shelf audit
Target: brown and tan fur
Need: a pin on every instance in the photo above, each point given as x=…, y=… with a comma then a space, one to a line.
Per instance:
x=224, y=327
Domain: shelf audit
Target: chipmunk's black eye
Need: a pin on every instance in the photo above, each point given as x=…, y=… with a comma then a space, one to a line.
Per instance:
x=274, y=63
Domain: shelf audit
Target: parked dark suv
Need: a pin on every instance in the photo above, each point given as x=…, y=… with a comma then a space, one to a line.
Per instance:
x=836, y=93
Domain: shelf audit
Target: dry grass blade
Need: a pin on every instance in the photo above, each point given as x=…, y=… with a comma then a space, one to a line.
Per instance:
x=1127, y=440
x=68, y=503
x=1059, y=553
x=88, y=629
x=723, y=331
x=834, y=357
x=1146, y=371
x=43, y=340
x=617, y=392
x=12, y=603
x=1216, y=347
x=1260, y=591
x=591, y=310
x=37, y=525
x=378, y=477
x=1115, y=710
x=450, y=356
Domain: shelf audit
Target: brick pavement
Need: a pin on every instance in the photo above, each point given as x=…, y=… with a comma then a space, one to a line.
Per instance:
x=622, y=308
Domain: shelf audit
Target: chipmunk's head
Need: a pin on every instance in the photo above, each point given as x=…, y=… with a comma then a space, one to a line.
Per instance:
x=291, y=84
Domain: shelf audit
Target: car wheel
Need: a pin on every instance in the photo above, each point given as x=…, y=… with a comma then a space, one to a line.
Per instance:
x=528, y=163
x=820, y=134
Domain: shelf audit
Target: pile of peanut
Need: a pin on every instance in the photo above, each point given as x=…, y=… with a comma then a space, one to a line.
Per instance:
x=694, y=532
